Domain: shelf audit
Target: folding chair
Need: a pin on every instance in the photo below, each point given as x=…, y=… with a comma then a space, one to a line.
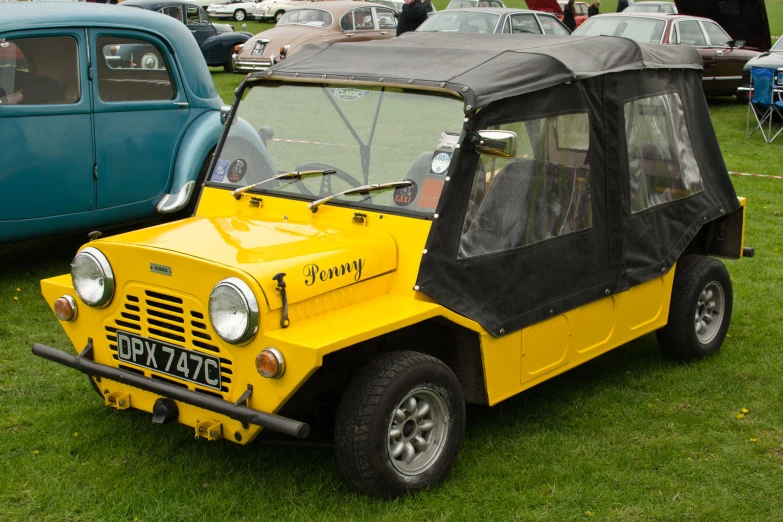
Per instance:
x=763, y=104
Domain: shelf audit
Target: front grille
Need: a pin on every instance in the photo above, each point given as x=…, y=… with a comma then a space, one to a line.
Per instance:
x=171, y=319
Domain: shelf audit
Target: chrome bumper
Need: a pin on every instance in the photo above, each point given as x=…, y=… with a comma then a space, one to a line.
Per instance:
x=251, y=66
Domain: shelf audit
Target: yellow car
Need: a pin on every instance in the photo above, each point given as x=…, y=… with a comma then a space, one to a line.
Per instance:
x=421, y=223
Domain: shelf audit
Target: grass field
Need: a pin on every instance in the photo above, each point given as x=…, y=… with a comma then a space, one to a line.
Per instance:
x=628, y=436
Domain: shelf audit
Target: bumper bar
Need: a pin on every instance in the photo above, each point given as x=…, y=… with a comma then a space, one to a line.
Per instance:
x=85, y=364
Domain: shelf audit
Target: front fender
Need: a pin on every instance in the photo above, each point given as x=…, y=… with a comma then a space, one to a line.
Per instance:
x=200, y=139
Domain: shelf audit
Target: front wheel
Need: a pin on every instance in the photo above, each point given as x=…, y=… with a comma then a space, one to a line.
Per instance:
x=228, y=65
x=700, y=309
x=400, y=424
x=279, y=15
x=239, y=15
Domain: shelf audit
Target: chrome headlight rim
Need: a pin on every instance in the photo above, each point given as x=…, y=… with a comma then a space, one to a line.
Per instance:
x=108, y=277
x=251, y=306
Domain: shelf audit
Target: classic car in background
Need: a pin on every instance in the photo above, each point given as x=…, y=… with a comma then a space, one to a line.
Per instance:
x=556, y=7
x=207, y=3
x=461, y=4
x=217, y=41
x=493, y=20
x=397, y=5
x=334, y=21
x=234, y=9
x=275, y=9
x=652, y=7
x=724, y=56
x=773, y=59
x=93, y=146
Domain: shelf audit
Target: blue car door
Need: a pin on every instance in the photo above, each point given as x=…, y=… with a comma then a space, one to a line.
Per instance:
x=46, y=154
x=141, y=111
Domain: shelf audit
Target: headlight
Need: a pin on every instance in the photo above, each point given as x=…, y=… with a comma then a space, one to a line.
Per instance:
x=233, y=311
x=92, y=277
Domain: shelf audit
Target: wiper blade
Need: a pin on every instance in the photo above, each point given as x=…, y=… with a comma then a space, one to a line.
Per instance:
x=359, y=190
x=237, y=193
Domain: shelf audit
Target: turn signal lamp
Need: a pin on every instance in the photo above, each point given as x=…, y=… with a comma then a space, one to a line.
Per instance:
x=270, y=363
x=65, y=308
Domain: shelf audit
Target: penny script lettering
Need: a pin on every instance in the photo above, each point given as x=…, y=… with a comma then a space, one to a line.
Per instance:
x=313, y=272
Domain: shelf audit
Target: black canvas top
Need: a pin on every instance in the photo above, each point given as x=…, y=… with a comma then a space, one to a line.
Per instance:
x=492, y=66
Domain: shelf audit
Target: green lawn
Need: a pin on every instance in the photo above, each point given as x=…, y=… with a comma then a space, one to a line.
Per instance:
x=628, y=436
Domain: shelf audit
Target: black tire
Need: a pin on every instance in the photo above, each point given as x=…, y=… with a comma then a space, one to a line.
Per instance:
x=240, y=15
x=366, y=418
x=696, y=279
x=278, y=16
x=228, y=65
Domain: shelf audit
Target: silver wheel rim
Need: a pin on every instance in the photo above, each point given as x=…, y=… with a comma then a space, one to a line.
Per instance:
x=709, y=312
x=418, y=430
x=240, y=16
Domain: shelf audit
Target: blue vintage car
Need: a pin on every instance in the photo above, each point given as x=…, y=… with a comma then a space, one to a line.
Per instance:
x=90, y=139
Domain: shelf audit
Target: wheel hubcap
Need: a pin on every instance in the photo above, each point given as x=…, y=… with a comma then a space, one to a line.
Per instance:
x=240, y=16
x=709, y=312
x=417, y=430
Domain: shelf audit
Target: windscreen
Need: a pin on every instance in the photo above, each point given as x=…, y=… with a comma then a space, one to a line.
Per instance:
x=366, y=135
x=460, y=21
x=643, y=8
x=645, y=30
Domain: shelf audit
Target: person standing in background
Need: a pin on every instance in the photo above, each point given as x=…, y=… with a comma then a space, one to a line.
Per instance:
x=594, y=8
x=413, y=14
x=621, y=5
x=569, y=16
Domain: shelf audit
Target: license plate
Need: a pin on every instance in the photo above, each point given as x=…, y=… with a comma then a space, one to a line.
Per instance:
x=258, y=49
x=186, y=365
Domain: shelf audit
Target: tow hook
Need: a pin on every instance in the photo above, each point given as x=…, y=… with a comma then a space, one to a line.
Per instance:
x=284, y=321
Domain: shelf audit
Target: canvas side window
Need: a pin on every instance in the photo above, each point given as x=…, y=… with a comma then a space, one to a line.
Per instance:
x=661, y=163
x=39, y=71
x=542, y=193
x=132, y=70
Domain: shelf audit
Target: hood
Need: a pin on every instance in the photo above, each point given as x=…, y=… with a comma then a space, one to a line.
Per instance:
x=548, y=6
x=293, y=35
x=315, y=260
x=223, y=28
x=742, y=19
x=773, y=60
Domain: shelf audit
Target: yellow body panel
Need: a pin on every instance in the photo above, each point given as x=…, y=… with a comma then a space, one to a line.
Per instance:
x=255, y=238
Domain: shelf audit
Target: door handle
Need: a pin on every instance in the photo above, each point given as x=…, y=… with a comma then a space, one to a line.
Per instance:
x=719, y=53
x=182, y=105
x=348, y=35
x=383, y=33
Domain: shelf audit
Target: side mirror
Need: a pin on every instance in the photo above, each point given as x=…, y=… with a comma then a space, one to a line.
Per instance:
x=266, y=133
x=737, y=44
x=496, y=143
x=225, y=110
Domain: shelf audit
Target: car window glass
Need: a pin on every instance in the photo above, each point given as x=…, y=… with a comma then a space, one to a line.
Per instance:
x=691, y=34
x=542, y=193
x=552, y=25
x=462, y=3
x=647, y=30
x=386, y=18
x=39, y=71
x=203, y=16
x=193, y=15
x=668, y=8
x=174, y=11
x=312, y=17
x=581, y=9
x=360, y=18
x=661, y=163
x=495, y=3
x=524, y=23
x=717, y=36
x=461, y=21
x=132, y=70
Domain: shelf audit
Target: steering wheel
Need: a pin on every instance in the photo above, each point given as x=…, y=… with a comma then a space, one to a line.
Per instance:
x=326, y=184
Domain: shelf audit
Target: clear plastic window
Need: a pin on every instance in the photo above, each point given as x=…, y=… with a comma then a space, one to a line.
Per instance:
x=132, y=70
x=542, y=193
x=661, y=162
x=39, y=71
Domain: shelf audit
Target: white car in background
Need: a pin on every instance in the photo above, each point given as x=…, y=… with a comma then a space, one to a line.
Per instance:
x=205, y=3
x=274, y=9
x=236, y=9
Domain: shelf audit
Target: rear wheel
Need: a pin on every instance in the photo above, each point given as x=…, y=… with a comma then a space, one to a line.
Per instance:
x=400, y=424
x=239, y=15
x=228, y=65
x=700, y=310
